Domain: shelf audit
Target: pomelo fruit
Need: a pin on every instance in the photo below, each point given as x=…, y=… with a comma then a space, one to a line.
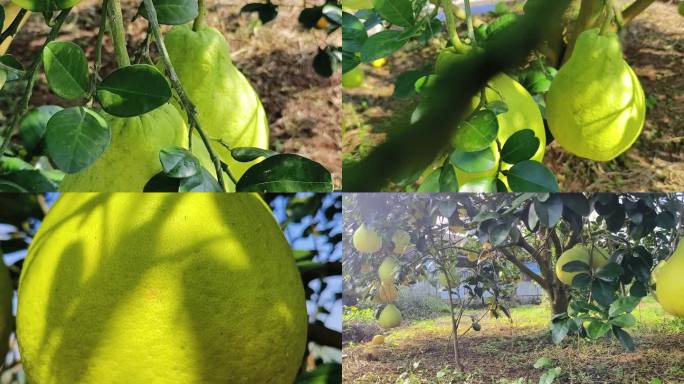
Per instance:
x=388, y=292
x=387, y=269
x=366, y=240
x=579, y=252
x=390, y=317
x=161, y=288
x=353, y=78
x=229, y=108
x=378, y=340
x=596, y=106
x=669, y=280
x=401, y=240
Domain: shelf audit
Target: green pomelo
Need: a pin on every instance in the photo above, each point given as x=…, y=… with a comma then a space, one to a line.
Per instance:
x=387, y=269
x=390, y=317
x=161, y=288
x=353, y=78
x=229, y=108
x=132, y=157
x=579, y=252
x=366, y=240
x=596, y=106
x=401, y=240
x=669, y=279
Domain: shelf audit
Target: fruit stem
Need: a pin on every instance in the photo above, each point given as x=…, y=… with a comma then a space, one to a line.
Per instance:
x=32, y=74
x=634, y=9
x=199, y=20
x=98, y=49
x=469, y=23
x=118, y=30
x=178, y=87
x=451, y=25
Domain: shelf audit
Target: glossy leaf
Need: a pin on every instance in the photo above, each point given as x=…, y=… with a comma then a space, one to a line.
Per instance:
x=531, y=176
x=247, y=154
x=133, y=91
x=522, y=145
x=286, y=173
x=173, y=12
x=66, y=69
x=179, y=162
x=473, y=162
x=477, y=133
x=33, y=125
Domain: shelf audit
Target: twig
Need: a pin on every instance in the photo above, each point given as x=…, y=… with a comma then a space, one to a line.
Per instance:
x=12, y=29
x=199, y=20
x=98, y=48
x=32, y=74
x=118, y=33
x=178, y=87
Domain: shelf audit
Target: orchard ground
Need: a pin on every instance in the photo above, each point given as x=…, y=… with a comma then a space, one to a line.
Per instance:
x=303, y=108
x=654, y=47
x=504, y=352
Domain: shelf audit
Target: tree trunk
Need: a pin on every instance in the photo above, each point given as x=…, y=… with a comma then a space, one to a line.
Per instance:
x=560, y=298
x=454, y=325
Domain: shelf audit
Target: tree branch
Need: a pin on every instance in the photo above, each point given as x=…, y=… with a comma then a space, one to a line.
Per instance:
x=634, y=9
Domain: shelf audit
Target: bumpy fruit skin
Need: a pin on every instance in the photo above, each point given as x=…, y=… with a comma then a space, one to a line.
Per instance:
x=596, y=106
x=132, y=157
x=580, y=253
x=669, y=280
x=353, y=78
x=228, y=106
x=387, y=269
x=366, y=240
x=6, y=292
x=160, y=288
x=378, y=340
x=390, y=317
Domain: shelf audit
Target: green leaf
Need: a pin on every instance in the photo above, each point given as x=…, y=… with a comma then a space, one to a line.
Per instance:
x=404, y=86
x=581, y=280
x=625, y=338
x=597, y=328
x=179, y=162
x=247, y=154
x=354, y=33
x=665, y=220
x=522, y=145
x=33, y=125
x=133, y=91
x=447, y=178
x=202, y=181
x=32, y=181
x=549, y=211
x=66, y=69
x=477, y=133
x=550, y=375
x=576, y=202
x=382, y=44
x=543, y=362
x=575, y=266
x=431, y=182
x=286, y=173
x=625, y=320
x=473, y=162
x=76, y=137
x=497, y=107
x=162, y=183
x=398, y=12
x=624, y=304
x=531, y=176
x=559, y=329
x=609, y=272
x=499, y=233
x=603, y=292
x=173, y=12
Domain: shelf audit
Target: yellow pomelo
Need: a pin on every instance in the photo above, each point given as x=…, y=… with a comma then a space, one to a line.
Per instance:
x=45, y=5
x=353, y=78
x=379, y=63
x=229, y=108
x=6, y=292
x=387, y=269
x=378, y=340
x=579, y=252
x=388, y=292
x=401, y=240
x=390, y=317
x=366, y=240
x=596, y=106
x=132, y=157
x=669, y=279
x=160, y=288
x=472, y=256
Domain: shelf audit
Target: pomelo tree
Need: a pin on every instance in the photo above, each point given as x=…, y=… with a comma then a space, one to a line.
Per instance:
x=480, y=118
x=176, y=115
x=604, y=245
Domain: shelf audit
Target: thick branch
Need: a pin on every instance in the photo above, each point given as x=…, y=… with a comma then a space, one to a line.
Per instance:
x=635, y=9
x=556, y=242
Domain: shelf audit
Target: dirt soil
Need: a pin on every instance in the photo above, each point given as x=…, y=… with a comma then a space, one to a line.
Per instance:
x=504, y=352
x=654, y=47
x=303, y=108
